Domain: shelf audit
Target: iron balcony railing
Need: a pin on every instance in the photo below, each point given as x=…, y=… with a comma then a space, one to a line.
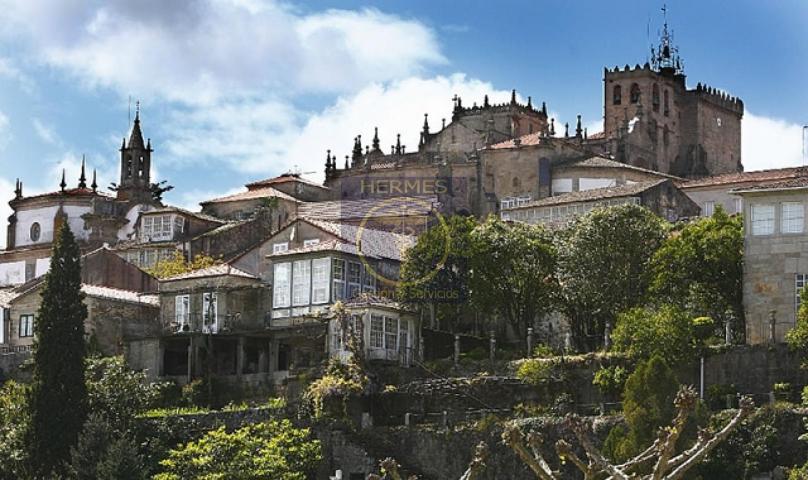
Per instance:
x=221, y=323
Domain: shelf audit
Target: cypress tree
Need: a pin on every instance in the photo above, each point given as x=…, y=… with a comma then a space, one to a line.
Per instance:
x=58, y=398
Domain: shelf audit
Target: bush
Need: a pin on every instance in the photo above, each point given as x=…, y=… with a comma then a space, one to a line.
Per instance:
x=610, y=380
x=797, y=337
x=535, y=371
x=667, y=332
x=13, y=424
x=717, y=396
x=543, y=351
x=274, y=449
x=328, y=395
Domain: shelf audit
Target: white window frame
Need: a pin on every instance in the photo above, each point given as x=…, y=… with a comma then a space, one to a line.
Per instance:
x=182, y=310
x=709, y=208
x=320, y=280
x=280, y=247
x=26, y=325
x=311, y=242
x=301, y=283
x=792, y=217
x=351, y=285
x=282, y=285
x=338, y=272
x=762, y=215
x=208, y=323
x=376, y=331
x=739, y=205
x=800, y=281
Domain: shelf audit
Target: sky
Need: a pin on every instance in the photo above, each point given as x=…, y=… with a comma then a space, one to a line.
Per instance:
x=231, y=91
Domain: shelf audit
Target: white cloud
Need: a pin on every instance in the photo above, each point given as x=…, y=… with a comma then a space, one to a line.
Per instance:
x=269, y=137
x=45, y=132
x=5, y=132
x=770, y=143
x=199, y=51
x=189, y=199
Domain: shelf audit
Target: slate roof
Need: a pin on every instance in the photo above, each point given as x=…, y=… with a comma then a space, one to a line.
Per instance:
x=770, y=175
x=594, y=194
x=119, y=294
x=603, y=162
x=367, y=208
x=261, y=192
x=8, y=295
x=374, y=243
x=219, y=270
x=798, y=183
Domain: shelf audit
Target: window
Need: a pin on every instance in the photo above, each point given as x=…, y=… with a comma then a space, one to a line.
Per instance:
x=281, y=285
x=376, y=331
x=301, y=282
x=368, y=281
x=635, y=93
x=403, y=334
x=354, y=279
x=311, y=242
x=655, y=97
x=739, y=205
x=801, y=280
x=159, y=227
x=182, y=309
x=617, y=95
x=665, y=107
x=390, y=333
x=338, y=276
x=762, y=219
x=35, y=232
x=26, y=326
x=320, y=269
x=210, y=311
x=709, y=208
x=280, y=247
x=792, y=216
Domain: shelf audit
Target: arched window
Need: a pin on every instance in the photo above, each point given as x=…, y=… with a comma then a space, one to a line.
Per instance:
x=665, y=108
x=516, y=182
x=655, y=97
x=635, y=93
x=617, y=95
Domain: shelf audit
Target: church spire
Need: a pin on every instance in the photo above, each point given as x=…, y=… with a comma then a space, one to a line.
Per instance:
x=578, y=129
x=94, y=185
x=82, y=177
x=665, y=57
x=63, y=183
x=376, y=139
x=136, y=135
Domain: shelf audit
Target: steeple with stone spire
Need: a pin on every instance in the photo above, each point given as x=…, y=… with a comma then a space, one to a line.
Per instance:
x=135, y=164
x=82, y=177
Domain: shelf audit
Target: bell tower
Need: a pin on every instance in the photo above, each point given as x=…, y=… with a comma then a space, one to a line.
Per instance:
x=135, y=165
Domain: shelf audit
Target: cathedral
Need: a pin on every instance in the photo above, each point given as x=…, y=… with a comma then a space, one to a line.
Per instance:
x=495, y=156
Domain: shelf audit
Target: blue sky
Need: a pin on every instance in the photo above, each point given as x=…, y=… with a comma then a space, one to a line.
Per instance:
x=234, y=90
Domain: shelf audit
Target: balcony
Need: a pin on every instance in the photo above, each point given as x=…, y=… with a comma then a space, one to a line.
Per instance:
x=294, y=321
x=198, y=323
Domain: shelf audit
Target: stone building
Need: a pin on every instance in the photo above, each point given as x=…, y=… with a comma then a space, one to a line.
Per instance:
x=660, y=196
x=775, y=259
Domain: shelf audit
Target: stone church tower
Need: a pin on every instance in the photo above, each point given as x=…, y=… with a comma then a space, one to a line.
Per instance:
x=135, y=166
x=652, y=120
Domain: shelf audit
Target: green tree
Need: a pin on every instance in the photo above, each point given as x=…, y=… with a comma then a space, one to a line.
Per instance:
x=700, y=269
x=647, y=406
x=177, y=265
x=435, y=271
x=603, y=266
x=667, y=332
x=797, y=337
x=14, y=417
x=58, y=398
x=274, y=449
x=513, y=271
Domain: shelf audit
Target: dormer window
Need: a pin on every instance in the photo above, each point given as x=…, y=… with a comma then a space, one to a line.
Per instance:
x=311, y=242
x=157, y=228
x=280, y=247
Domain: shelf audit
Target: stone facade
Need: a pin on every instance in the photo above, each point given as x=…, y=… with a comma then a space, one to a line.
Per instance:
x=775, y=259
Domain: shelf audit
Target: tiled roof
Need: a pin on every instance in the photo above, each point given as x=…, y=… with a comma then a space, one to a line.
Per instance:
x=594, y=194
x=798, y=183
x=219, y=270
x=262, y=192
x=596, y=136
x=603, y=162
x=285, y=178
x=70, y=192
x=222, y=228
x=118, y=294
x=367, y=208
x=771, y=175
x=199, y=215
x=524, y=140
